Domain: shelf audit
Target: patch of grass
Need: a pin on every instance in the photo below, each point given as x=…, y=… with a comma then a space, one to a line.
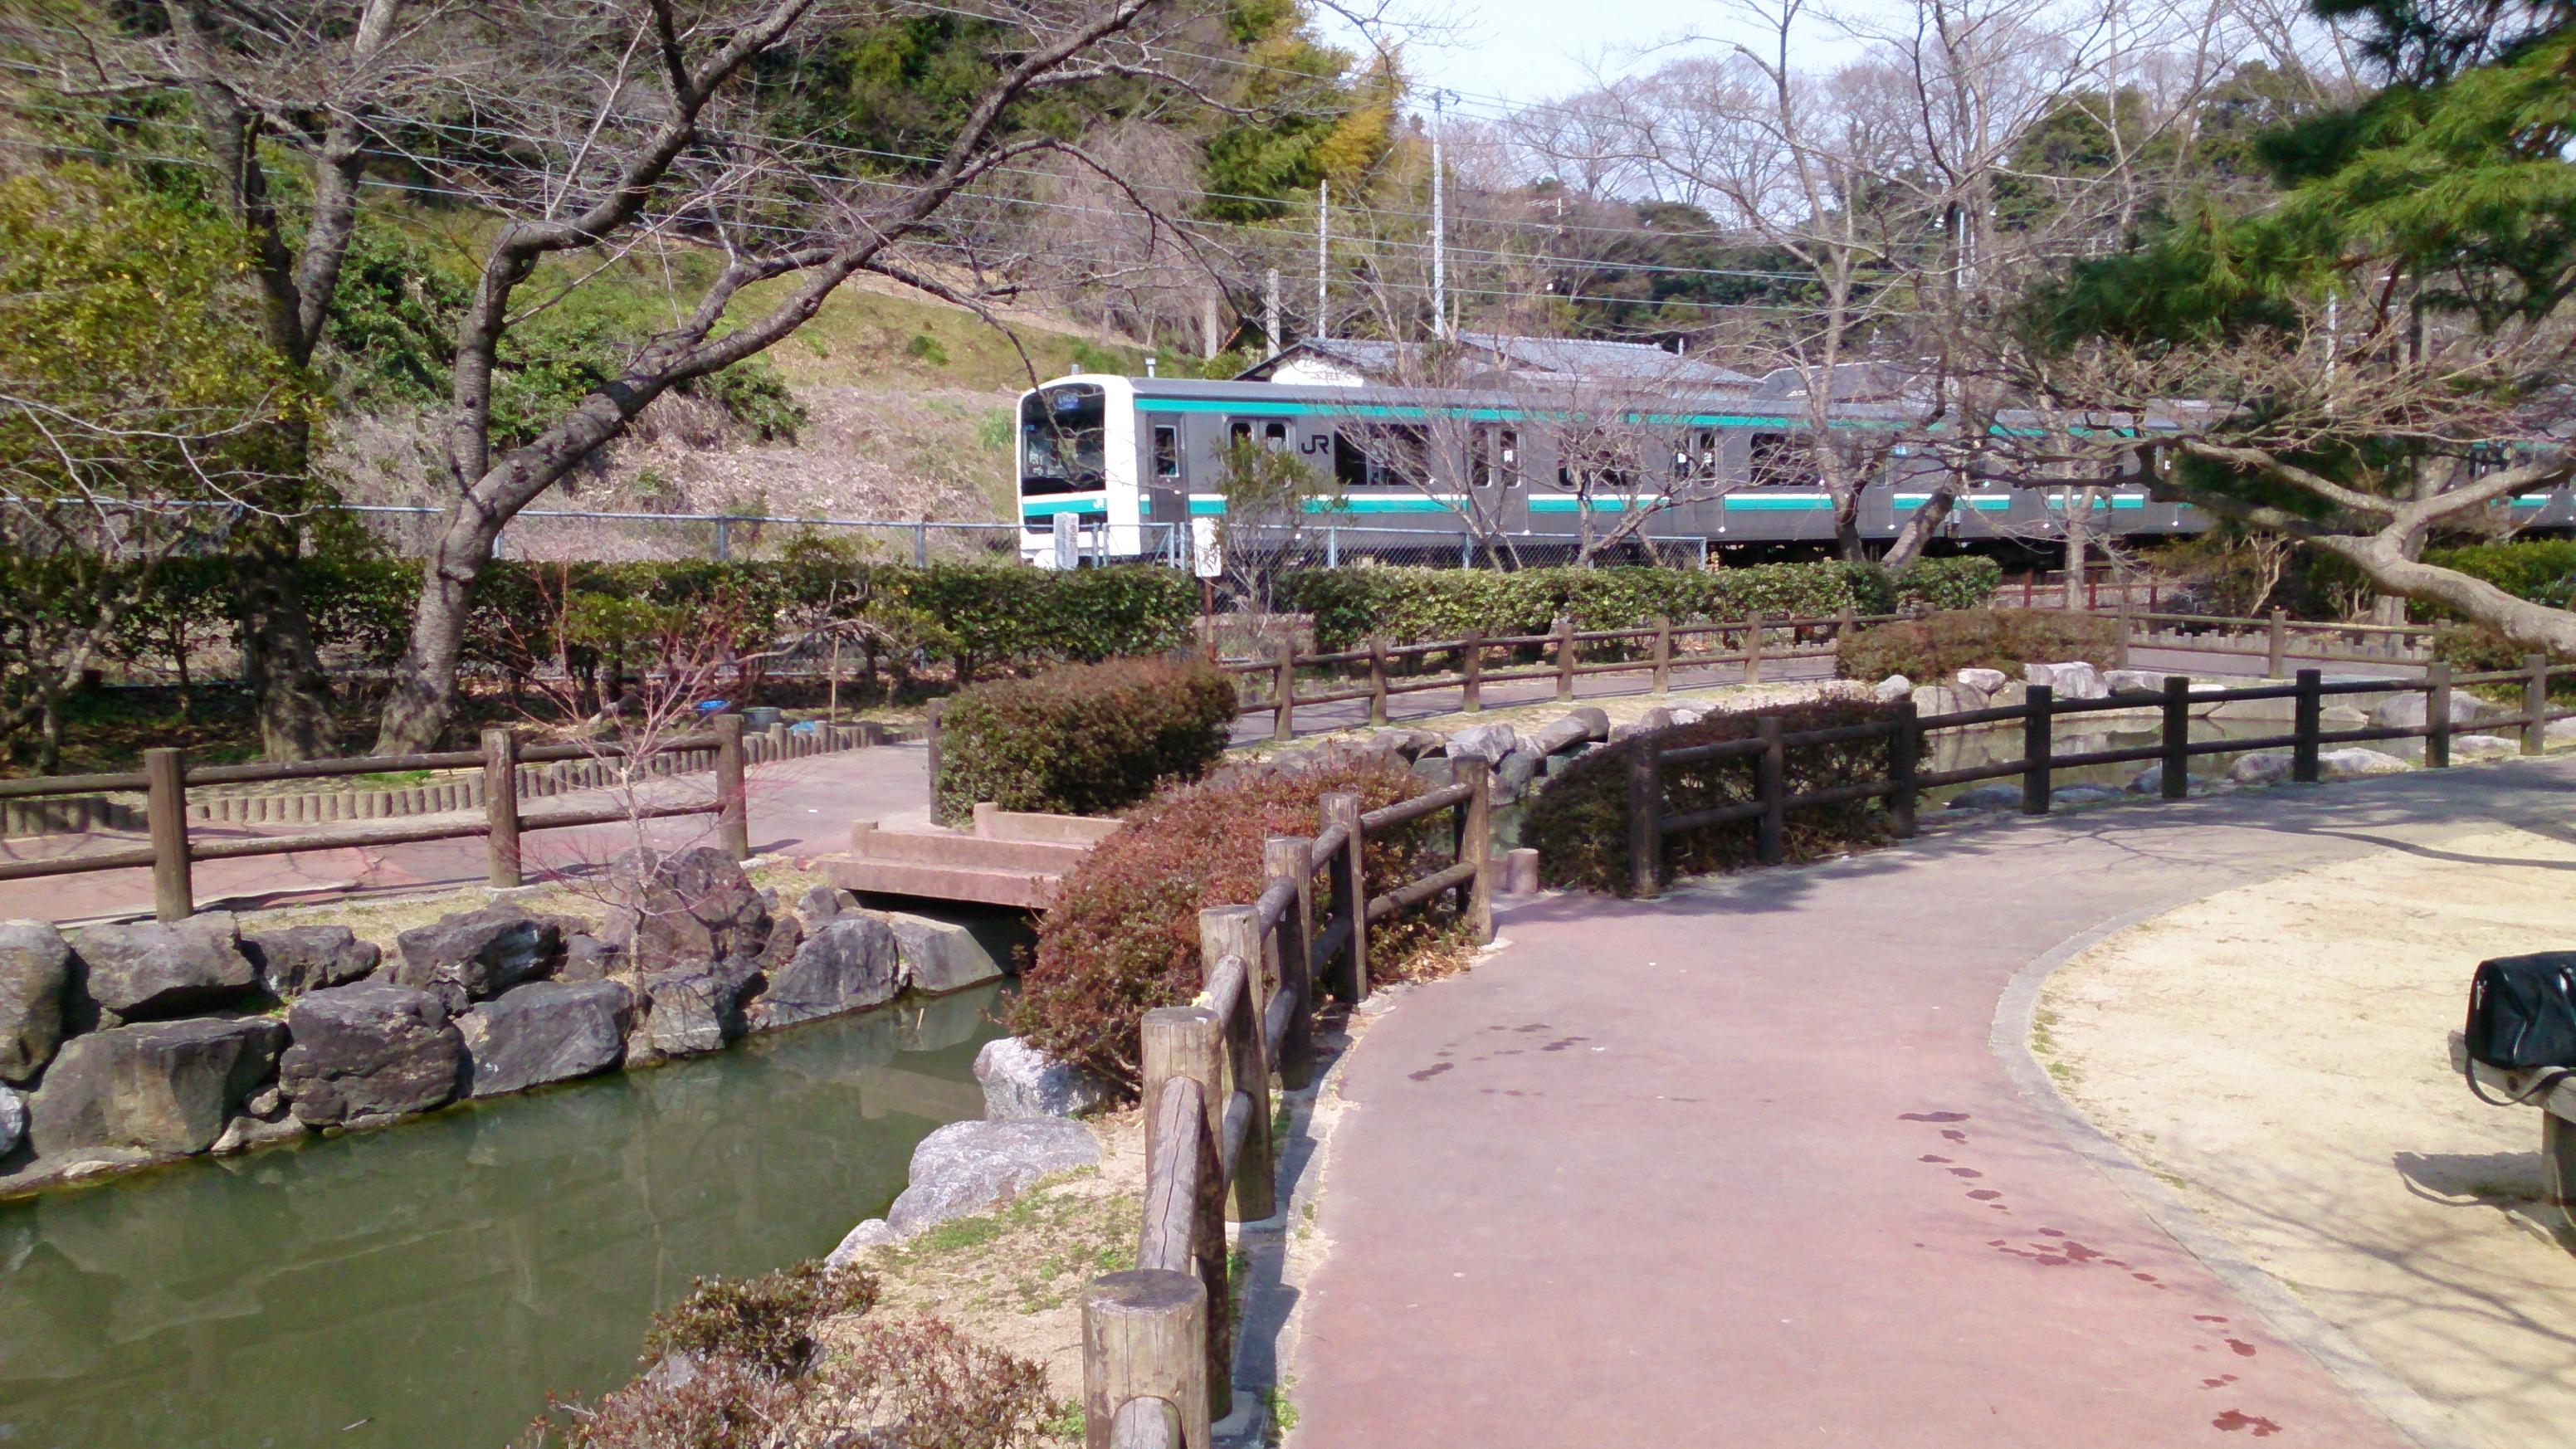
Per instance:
x=1279, y=1411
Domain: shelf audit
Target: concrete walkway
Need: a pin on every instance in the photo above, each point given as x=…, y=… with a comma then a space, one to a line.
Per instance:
x=1741, y=1167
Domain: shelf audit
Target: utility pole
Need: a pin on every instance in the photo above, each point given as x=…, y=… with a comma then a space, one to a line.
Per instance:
x=1439, y=229
x=1270, y=310
x=1323, y=261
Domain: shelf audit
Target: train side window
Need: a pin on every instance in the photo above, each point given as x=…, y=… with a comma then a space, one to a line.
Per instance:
x=1237, y=431
x=1777, y=461
x=1274, y=436
x=1167, y=451
x=1507, y=452
x=1350, y=462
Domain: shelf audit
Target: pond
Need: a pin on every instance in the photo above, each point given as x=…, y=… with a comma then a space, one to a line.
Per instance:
x=429, y=1284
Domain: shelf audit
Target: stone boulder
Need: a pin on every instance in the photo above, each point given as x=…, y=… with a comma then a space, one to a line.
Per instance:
x=2135, y=681
x=149, y=970
x=689, y=1012
x=160, y=1086
x=2011, y=694
x=1486, y=742
x=35, y=966
x=940, y=956
x=870, y=1234
x=2264, y=767
x=1021, y=1082
x=2356, y=763
x=2410, y=711
x=1574, y=727
x=545, y=1031
x=2483, y=747
x=369, y=1051
x=588, y=958
x=687, y=910
x=1891, y=689
x=2558, y=734
x=821, y=903
x=1984, y=681
x=2081, y=795
x=1932, y=699
x=476, y=955
x=1688, y=714
x=297, y=959
x=13, y=1120
x=1987, y=797
x=2073, y=679
x=851, y=963
x=2150, y=780
x=1517, y=770
x=966, y=1167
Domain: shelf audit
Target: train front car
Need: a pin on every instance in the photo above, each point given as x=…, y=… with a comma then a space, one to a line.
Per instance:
x=1077, y=457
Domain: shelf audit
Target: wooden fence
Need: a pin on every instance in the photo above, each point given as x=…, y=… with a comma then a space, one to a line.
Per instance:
x=1650, y=823
x=1158, y=1341
x=1659, y=647
x=166, y=777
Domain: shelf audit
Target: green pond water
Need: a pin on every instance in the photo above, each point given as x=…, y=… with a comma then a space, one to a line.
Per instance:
x=429, y=1284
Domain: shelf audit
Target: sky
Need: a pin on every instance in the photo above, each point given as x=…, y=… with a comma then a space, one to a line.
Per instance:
x=1499, y=53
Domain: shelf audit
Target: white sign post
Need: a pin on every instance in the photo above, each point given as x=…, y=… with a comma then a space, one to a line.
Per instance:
x=1207, y=555
x=1068, y=542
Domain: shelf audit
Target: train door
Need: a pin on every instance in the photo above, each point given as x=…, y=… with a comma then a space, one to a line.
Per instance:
x=1165, y=468
x=1497, y=476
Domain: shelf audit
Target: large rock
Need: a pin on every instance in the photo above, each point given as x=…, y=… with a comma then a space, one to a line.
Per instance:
x=1936, y=699
x=1987, y=797
x=1573, y=728
x=1891, y=689
x=369, y=1051
x=687, y=910
x=162, y=1086
x=2358, y=764
x=2410, y=711
x=476, y=955
x=688, y=1012
x=870, y=1234
x=1021, y=1082
x=2072, y=679
x=853, y=962
x=2082, y=795
x=2483, y=747
x=155, y=969
x=940, y=956
x=35, y=966
x=1486, y=742
x=298, y=959
x=13, y=1120
x=588, y=958
x=1517, y=770
x=1984, y=681
x=966, y=1167
x=2264, y=767
x=545, y=1031
x=2135, y=681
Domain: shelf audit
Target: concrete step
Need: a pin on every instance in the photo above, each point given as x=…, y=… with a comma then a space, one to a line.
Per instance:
x=872, y=841
x=1028, y=889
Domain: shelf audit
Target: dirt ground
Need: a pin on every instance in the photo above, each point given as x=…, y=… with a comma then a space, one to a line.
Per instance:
x=2277, y=1054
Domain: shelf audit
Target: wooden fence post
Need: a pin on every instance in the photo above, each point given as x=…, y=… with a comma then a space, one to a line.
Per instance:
x=2038, y=738
x=1771, y=786
x=2535, y=703
x=733, y=815
x=1350, y=889
x=1645, y=815
x=2307, y=722
x=1141, y=1336
x=1188, y=1043
x=930, y=746
x=1472, y=842
x=2277, y=646
x=1846, y=621
x=1377, y=679
x=1904, y=752
x=1293, y=857
x=1283, y=724
x=1472, y=663
x=501, y=808
x=2176, y=778
x=1753, y=647
x=2437, y=716
x=1663, y=654
x=1565, y=659
x=1231, y=931
x=165, y=783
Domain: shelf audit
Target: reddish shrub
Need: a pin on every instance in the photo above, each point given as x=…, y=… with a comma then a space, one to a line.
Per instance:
x=1123, y=935
x=1931, y=649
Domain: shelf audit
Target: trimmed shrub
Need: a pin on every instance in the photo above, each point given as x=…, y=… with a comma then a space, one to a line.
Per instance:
x=767, y=1323
x=1123, y=935
x=1928, y=585
x=2542, y=570
x=2477, y=649
x=1088, y=739
x=1934, y=647
x=1579, y=820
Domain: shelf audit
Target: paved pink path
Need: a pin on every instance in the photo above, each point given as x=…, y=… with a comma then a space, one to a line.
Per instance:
x=802, y=807
x=1739, y=1167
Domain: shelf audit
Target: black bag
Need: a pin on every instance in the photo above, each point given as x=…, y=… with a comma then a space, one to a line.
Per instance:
x=2522, y=1015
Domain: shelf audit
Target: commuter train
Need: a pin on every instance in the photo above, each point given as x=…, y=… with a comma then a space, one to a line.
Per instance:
x=1133, y=459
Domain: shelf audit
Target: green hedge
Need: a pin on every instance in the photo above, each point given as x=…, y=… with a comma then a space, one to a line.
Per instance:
x=1087, y=739
x=1936, y=646
x=2542, y=570
x=1579, y=820
x=1412, y=605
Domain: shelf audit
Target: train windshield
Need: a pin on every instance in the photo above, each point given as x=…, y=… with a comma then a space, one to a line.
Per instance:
x=1063, y=432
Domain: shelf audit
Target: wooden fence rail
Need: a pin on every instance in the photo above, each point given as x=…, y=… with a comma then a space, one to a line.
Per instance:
x=1651, y=822
x=173, y=850
x=1158, y=1342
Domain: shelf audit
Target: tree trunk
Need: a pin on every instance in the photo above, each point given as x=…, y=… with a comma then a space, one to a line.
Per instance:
x=280, y=665
x=423, y=698
x=1922, y=525
x=1847, y=539
x=2079, y=510
x=2383, y=560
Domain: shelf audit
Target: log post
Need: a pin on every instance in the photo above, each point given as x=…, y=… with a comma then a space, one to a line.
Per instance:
x=1904, y=754
x=1292, y=857
x=1350, y=890
x=1142, y=1332
x=165, y=784
x=1472, y=664
x=2038, y=738
x=2437, y=716
x=1753, y=647
x=1233, y=931
x=1663, y=654
x=501, y=808
x=2535, y=703
x=2277, y=646
x=1283, y=723
x=1771, y=786
x=2175, y=780
x=1565, y=659
x=1645, y=815
x=1473, y=844
x=1377, y=679
x=1187, y=1043
x=2307, y=722
x=733, y=815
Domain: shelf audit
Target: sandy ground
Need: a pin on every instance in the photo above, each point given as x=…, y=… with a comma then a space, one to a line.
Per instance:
x=2277, y=1053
